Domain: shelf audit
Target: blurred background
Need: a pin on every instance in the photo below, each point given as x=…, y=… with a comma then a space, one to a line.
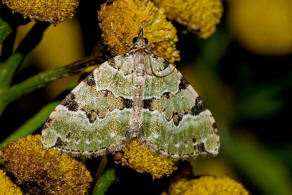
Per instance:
x=243, y=73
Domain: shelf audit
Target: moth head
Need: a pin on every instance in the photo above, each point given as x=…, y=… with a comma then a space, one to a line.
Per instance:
x=143, y=39
x=140, y=41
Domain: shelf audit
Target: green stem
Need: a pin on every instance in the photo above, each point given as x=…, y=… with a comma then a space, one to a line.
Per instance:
x=8, y=67
x=104, y=182
x=5, y=30
x=42, y=79
x=259, y=166
x=7, y=46
x=32, y=124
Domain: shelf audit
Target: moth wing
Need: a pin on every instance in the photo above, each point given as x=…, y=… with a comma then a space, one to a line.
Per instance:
x=93, y=119
x=176, y=121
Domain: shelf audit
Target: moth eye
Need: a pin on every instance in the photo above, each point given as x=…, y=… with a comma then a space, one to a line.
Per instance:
x=146, y=40
x=135, y=39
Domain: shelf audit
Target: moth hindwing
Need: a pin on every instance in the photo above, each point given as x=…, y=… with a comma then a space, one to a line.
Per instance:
x=134, y=95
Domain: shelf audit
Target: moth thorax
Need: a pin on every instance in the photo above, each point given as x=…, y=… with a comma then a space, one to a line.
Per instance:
x=141, y=57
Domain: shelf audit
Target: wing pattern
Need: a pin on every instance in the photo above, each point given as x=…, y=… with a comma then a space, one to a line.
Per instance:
x=176, y=122
x=93, y=119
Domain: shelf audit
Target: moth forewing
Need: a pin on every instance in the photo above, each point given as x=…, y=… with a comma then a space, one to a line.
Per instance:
x=136, y=95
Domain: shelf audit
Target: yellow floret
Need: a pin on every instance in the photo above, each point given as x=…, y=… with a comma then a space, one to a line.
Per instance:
x=49, y=170
x=124, y=18
x=207, y=185
x=200, y=16
x=53, y=11
x=7, y=187
x=141, y=159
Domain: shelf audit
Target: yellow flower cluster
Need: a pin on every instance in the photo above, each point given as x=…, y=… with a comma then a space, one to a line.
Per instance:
x=125, y=17
x=200, y=16
x=262, y=26
x=207, y=185
x=7, y=187
x=141, y=159
x=53, y=11
x=51, y=171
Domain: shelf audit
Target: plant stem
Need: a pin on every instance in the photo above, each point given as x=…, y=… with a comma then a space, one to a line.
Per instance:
x=5, y=30
x=32, y=124
x=7, y=46
x=9, y=67
x=42, y=79
x=258, y=165
x=100, y=168
x=104, y=182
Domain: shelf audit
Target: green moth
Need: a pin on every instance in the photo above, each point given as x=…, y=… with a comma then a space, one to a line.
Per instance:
x=134, y=95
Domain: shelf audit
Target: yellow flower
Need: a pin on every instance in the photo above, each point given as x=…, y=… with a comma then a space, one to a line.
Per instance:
x=262, y=26
x=141, y=159
x=7, y=187
x=50, y=171
x=125, y=17
x=206, y=185
x=53, y=11
x=200, y=16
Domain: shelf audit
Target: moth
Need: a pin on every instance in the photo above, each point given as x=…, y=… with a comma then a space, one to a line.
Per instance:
x=137, y=95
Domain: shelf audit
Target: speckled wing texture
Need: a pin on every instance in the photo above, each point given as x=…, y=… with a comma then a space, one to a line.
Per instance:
x=113, y=105
x=93, y=119
x=176, y=122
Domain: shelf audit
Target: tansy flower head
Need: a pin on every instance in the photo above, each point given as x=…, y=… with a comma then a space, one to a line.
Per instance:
x=141, y=159
x=125, y=17
x=53, y=11
x=262, y=26
x=207, y=185
x=50, y=171
x=7, y=187
x=200, y=16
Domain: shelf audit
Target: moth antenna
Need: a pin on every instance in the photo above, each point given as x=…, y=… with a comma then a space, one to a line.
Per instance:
x=158, y=75
x=118, y=36
x=140, y=33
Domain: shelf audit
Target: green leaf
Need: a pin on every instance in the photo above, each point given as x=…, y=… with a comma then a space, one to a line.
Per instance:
x=5, y=30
